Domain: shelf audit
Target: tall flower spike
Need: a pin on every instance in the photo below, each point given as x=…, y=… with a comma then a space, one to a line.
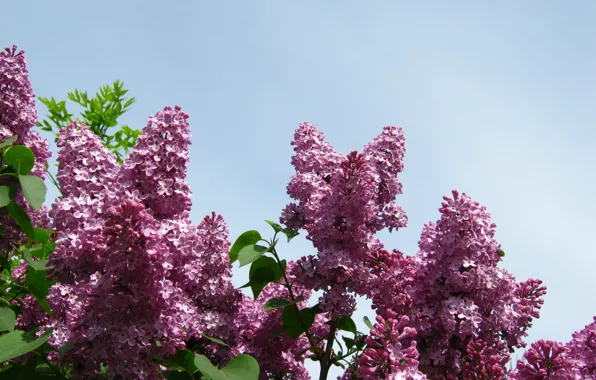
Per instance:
x=147, y=281
x=458, y=293
x=341, y=203
x=17, y=116
x=156, y=169
x=86, y=172
x=17, y=101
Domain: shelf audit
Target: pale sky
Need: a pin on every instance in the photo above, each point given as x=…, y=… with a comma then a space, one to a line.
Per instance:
x=496, y=100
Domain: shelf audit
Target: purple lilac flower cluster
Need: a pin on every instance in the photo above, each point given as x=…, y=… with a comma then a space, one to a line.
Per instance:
x=547, y=359
x=391, y=350
x=342, y=201
x=456, y=294
x=135, y=279
x=17, y=118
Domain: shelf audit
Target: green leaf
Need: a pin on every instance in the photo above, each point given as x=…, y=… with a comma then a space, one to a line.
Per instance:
x=349, y=342
x=66, y=348
x=250, y=253
x=207, y=369
x=36, y=265
x=346, y=324
x=21, y=217
x=317, y=309
x=39, y=287
x=295, y=322
x=290, y=233
x=36, y=251
x=4, y=196
x=276, y=227
x=275, y=303
x=216, y=340
x=248, y=238
x=20, y=158
x=182, y=360
x=34, y=190
x=9, y=141
x=262, y=272
x=7, y=319
x=368, y=323
x=242, y=367
x=41, y=236
x=17, y=343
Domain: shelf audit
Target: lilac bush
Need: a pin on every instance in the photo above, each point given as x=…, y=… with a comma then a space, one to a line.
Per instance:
x=136, y=290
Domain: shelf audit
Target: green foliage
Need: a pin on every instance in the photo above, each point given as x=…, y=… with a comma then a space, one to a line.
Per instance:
x=4, y=196
x=290, y=234
x=16, y=163
x=100, y=113
x=262, y=272
x=186, y=365
x=349, y=342
x=346, y=324
x=8, y=142
x=7, y=319
x=276, y=303
x=215, y=340
x=39, y=286
x=368, y=323
x=17, y=343
x=19, y=214
x=248, y=238
x=34, y=190
x=20, y=158
x=250, y=253
x=296, y=322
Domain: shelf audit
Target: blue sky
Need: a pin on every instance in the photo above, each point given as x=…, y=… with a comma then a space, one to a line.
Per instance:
x=496, y=99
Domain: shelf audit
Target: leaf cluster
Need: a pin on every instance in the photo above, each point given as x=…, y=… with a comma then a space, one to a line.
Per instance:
x=100, y=113
x=16, y=163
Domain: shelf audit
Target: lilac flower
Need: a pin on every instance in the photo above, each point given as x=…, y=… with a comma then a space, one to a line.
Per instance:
x=582, y=349
x=546, y=360
x=484, y=362
x=341, y=203
x=17, y=103
x=146, y=282
x=456, y=293
x=391, y=351
x=156, y=169
x=17, y=117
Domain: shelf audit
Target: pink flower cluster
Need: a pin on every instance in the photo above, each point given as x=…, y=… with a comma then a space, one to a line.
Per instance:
x=456, y=296
x=553, y=360
x=391, y=351
x=17, y=118
x=136, y=279
x=342, y=201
